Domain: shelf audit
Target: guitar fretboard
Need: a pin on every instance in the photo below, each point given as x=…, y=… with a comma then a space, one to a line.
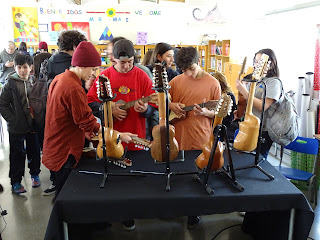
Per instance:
x=202, y=105
x=131, y=104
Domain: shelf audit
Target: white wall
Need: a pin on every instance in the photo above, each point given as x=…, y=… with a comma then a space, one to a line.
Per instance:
x=291, y=35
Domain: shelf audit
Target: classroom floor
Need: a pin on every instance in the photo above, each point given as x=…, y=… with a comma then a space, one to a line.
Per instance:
x=28, y=215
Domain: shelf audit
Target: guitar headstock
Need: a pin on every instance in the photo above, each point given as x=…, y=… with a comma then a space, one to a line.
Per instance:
x=224, y=106
x=260, y=71
x=243, y=67
x=160, y=77
x=104, y=90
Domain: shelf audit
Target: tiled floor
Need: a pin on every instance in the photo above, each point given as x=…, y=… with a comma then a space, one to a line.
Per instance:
x=28, y=215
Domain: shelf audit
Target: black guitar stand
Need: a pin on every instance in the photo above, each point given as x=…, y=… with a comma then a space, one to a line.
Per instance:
x=105, y=157
x=260, y=139
x=168, y=172
x=219, y=131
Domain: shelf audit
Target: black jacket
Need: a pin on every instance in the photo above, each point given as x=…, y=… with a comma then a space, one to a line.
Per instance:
x=58, y=63
x=14, y=104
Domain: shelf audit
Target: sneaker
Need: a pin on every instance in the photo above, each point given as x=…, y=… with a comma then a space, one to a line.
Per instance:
x=17, y=188
x=193, y=221
x=35, y=181
x=242, y=214
x=50, y=190
x=129, y=225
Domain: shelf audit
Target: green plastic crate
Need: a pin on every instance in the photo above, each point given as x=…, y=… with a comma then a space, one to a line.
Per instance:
x=304, y=161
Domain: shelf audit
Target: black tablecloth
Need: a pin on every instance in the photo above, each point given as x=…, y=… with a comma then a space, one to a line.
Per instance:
x=125, y=197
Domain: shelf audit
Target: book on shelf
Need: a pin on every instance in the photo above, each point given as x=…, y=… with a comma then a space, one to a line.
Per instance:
x=213, y=62
x=219, y=65
x=213, y=49
x=218, y=50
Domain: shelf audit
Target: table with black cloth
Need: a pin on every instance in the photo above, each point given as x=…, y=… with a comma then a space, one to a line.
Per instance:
x=267, y=202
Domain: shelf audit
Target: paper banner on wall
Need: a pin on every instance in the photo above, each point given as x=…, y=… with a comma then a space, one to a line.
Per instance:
x=142, y=38
x=53, y=37
x=106, y=35
x=25, y=22
x=82, y=27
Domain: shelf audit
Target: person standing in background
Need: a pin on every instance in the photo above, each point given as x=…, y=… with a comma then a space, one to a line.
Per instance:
x=164, y=52
x=6, y=61
x=273, y=92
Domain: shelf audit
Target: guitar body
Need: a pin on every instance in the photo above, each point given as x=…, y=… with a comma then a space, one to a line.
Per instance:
x=247, y=137
x=114, y=147
x=203, y=159
x=158, y=147
x=223, y=109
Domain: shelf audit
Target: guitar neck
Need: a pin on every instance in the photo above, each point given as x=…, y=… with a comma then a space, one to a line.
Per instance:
x=250, y=98
x=108, y=120
x=202, y=105
x=131, y=104
x=217, y=121
x=162, y=108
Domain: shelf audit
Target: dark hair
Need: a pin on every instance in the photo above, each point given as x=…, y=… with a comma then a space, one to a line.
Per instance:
x=161, y=48
x=37, y=60
x=273, y=70
x=116, y=39
x=18, y=15
x=147, y=59
x=69, y=39
x=22, y=46
x=187, y=56
x=21, y=59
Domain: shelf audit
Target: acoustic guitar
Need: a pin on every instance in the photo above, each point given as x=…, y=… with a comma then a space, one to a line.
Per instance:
x=223, y=108
x=114, y=148
x=247, y=137
x=159, y=132
x=242, y=102
x=173, y=117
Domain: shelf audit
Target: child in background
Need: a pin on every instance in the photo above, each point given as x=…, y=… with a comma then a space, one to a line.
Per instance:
x=15, y=109
x=225, y=88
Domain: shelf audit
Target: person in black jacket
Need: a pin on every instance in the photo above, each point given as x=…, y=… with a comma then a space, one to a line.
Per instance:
x=15, y=109
x=67, y=43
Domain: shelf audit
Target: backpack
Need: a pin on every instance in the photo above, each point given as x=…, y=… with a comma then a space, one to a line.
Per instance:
x=38, y=94
x=282, y=120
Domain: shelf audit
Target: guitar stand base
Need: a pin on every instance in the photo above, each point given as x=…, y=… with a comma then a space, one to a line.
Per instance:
x=167, y=174
x=208, y=189
x=229, y=177
x=106, y=173
x=271, y=177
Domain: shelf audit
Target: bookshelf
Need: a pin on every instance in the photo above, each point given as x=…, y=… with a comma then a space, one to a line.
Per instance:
x=231, y=72
x=102, y=50
x=140, y=51
x=203, y=56
x=218, y=55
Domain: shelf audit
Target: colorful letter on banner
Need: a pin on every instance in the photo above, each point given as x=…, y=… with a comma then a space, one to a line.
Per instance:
x=25, y=21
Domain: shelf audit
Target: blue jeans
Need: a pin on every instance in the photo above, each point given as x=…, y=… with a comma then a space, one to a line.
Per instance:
x=265, y=147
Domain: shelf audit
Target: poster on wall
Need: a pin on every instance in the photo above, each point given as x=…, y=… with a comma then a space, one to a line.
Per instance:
x=25, y=24
x=82, y=27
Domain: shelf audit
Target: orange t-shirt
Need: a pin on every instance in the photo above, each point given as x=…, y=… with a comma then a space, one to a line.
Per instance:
x=194, y=131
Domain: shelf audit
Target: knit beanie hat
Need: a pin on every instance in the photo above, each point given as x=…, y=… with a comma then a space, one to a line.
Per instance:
x=43, y=45
x=86, y=55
